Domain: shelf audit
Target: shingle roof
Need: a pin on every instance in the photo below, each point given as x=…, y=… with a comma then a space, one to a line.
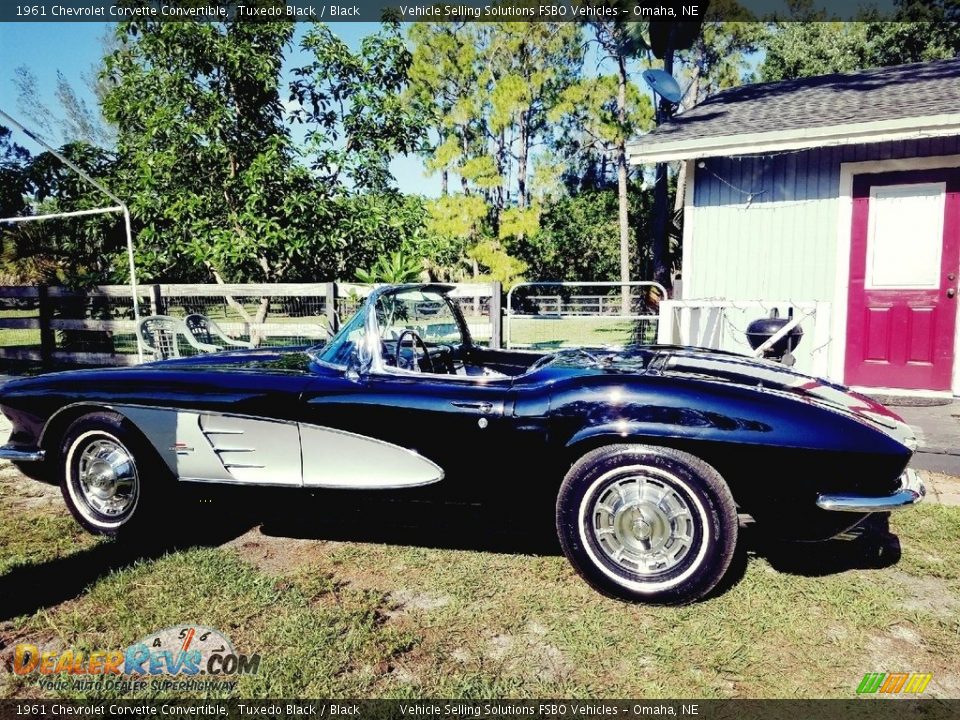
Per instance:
x=841, y=99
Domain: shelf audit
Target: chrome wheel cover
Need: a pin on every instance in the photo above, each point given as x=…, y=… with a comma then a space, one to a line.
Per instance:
x=642, y=524
x=106, y=477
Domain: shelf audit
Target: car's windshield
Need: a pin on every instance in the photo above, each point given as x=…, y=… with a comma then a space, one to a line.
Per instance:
x=338, y=350
x=426, y=312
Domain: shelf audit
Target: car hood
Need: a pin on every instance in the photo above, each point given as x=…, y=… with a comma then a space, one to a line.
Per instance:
x=769, y=376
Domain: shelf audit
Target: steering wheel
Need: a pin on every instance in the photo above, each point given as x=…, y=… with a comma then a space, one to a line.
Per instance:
x=416, y=339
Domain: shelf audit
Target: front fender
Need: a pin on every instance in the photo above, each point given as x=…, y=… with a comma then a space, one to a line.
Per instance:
x=772, y=449
x=660, y=409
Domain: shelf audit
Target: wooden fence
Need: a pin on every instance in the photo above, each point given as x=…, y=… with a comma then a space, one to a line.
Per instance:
x=53, y=325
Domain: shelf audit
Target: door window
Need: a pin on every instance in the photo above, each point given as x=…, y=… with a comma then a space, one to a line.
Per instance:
x=905, y=236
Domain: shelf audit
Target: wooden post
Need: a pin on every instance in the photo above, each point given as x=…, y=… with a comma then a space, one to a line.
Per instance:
x=496, y=315
x=332, y=323
x=156, y=301
x=48, y=339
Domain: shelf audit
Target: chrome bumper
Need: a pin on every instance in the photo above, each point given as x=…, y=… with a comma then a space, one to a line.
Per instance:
x=18, y=455
x=910, y=492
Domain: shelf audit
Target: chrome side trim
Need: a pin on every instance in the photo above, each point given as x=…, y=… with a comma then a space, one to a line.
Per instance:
x=910, y=493
x=255, y=450
x=17, y=455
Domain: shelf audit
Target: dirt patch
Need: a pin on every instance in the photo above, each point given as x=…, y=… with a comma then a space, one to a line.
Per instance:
x=901, y=649
x=405, y=601
x=9, y=639
x=941, y=488
x=277, y=555
x=529, y=654
x=928, y=595
x=22, y=493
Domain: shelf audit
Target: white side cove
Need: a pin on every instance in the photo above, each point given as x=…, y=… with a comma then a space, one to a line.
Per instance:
x=338, y=459
x=219, y=448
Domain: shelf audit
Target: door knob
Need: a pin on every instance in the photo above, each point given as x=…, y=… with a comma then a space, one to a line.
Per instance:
x=951, y=292
x=483, y=407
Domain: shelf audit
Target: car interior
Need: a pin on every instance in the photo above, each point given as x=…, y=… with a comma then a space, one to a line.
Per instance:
x=422, y=331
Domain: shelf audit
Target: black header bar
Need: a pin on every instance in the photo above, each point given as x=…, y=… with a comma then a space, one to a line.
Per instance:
x=414, y=11
x=863, y=709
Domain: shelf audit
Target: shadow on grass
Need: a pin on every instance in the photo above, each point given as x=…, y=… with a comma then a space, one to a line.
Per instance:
x=871, y=545
x=28, y=588
x=486, y=527
x=490, y=527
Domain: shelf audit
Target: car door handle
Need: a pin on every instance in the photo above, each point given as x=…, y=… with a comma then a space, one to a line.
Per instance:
x=484, y=407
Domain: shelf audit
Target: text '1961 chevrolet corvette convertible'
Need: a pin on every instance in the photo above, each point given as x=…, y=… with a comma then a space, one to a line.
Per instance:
x=650, y=453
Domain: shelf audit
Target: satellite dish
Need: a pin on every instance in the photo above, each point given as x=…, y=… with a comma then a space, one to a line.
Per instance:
x=664, y=85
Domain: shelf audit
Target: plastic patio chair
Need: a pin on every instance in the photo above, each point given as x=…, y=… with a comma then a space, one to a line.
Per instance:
x=207, y=332
x=158, y=334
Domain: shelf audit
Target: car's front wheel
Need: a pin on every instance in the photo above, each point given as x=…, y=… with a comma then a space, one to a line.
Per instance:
x=102, y=465
x=647, y=524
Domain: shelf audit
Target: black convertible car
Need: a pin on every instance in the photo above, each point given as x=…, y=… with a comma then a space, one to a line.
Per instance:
x=650, y=453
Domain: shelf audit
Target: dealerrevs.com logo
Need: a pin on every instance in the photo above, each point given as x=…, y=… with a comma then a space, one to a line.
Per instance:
x=184, y=657
x=894, y=683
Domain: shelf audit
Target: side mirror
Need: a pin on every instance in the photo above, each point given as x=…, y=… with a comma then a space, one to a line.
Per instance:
x=358, y=365
x=353, y=366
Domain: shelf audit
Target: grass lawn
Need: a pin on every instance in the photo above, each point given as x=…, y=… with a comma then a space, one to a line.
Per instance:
x=19, y=337
x=453, y=603
x=555, y=332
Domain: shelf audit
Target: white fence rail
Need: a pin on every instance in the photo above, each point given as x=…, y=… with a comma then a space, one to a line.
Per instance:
x=722, y=325
x=58, y=325
x=554, y=315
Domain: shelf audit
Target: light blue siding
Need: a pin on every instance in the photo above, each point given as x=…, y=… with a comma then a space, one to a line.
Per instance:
x=766, y=227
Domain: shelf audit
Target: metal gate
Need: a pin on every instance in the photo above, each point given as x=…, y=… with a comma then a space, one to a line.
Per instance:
x=555, y=315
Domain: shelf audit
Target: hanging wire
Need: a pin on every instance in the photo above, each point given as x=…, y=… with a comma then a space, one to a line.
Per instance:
x=749, y=193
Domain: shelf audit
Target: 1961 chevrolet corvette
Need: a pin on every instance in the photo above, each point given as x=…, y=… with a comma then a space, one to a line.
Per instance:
x=651, y=452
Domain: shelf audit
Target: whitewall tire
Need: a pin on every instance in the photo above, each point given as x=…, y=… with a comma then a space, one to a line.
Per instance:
x=101, y=466
x=647, y=524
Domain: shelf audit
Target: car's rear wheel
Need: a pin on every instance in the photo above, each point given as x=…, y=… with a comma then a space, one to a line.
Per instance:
x=104, y=464
x=647, y=524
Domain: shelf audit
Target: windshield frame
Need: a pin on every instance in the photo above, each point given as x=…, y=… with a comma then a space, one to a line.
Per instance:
x=371, y=327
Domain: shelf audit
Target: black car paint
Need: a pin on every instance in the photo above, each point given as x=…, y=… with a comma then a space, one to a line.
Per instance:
x=778, y=438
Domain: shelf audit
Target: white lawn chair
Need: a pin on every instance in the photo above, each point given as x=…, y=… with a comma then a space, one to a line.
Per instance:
x=159, y=335
x=207, y=332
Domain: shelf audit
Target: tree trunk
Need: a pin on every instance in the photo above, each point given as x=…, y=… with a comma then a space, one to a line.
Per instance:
x=464, y=183
x=522, y=191
x=690, y=100
x=659, y=241
x=250, y=320
x=624, y=200
x=499, y=192
x=445, y=173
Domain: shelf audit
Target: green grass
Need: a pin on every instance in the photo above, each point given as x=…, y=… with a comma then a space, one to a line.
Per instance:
x=26, y=338
x=361, y=619
x=550, y=333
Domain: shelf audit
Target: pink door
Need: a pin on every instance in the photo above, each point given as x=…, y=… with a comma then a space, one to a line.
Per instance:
x=905, y=256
